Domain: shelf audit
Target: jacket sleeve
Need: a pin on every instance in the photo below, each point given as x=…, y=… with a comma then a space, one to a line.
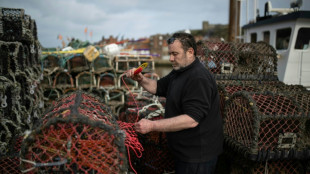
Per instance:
x=196, y=98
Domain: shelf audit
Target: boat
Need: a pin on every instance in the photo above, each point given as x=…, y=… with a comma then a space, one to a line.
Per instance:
x=288, y=32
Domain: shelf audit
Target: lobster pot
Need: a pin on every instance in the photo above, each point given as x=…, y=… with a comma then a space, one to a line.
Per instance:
x=63, y=80
x=102, y=64
x=135, y=99
x=264, y=126
x=123, y=63
x=23, y=100
x=226, y=90
x=46, y=82
x=250, y=82
x=50, y=63
x=9, y=99
x=50, y=95
x=77, y=135
x=10, y=163
x=130, y=116
x=219, y=58
x=256, y=61
x=114, y=98
x=12, y=57
x=125, y=82
x=77, y=63
x=278, y=166
x=85, y=80
x=106, y=80
x=274, y=86
x=14, y=25
x=303, y=99
x=96, y=92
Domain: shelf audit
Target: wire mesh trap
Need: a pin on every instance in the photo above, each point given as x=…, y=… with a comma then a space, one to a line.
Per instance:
x=256, y=61
x=102, y=64
x=123, y=63
x=85, y=80
x=227, y=88
x=106, y=80
x=10, y=163
x=12, y=57
x=77, y=63
x=63, y=80
x=264, y=126
x=15, y=25
x=50, y=63
x=78, y=134
x=51, y=95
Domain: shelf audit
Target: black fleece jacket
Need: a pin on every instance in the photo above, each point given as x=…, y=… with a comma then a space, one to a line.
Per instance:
x=193, y=91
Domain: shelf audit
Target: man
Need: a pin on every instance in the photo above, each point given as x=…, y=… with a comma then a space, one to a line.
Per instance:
x=192, y=114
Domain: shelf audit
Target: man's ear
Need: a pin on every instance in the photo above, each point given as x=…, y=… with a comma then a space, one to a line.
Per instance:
x=190, y=51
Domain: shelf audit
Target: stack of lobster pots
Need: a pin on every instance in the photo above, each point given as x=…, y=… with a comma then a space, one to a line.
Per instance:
x=21, y=96
x=266, y=122
x=65, y=72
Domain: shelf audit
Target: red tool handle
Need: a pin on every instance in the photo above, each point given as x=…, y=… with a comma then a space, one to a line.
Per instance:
x=138, y=70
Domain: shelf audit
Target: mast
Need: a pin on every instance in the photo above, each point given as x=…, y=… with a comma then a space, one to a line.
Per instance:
x=234, y=20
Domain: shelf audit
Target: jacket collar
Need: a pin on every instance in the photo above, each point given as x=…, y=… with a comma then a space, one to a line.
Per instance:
x=188, y=67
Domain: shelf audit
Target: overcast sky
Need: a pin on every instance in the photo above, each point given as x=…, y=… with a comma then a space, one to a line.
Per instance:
x=131, y=19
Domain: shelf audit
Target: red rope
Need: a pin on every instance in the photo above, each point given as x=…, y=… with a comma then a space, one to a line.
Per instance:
x=131, y=140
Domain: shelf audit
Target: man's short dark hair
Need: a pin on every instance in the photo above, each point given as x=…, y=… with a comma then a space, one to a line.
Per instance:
x=187, y=41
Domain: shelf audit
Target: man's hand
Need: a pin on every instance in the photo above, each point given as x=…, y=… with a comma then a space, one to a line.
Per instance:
x=131, y=74
x=173, y=124
x=144, y=126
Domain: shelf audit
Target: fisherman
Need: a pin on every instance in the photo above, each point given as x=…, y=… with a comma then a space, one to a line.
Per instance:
x=192, y=113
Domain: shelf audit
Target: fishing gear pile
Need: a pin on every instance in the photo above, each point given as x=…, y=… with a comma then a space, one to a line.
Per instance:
x=21, y=96
x=79, y=134
x=65, y=72
x=265, y=121
x=105, y=78
x=156, y=156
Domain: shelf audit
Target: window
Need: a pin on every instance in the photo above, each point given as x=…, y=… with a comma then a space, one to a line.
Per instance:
x=303, y=39
x=253, y=37
x=283, y=38
x=266, y=36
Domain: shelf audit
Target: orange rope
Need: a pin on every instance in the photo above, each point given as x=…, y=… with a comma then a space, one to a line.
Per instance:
x=131, y=140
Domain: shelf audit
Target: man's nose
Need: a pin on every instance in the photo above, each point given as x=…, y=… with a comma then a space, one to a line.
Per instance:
x=171, y=58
